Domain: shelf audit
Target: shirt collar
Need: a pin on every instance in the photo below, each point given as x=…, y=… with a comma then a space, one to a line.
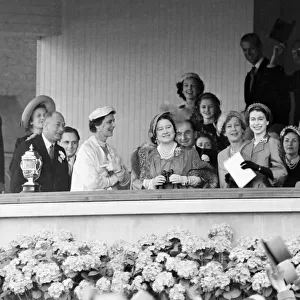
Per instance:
x=257, y=65
x=47, y=143
x=72, y=159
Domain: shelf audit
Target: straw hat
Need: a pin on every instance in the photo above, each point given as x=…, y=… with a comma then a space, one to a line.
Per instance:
x=31, y=106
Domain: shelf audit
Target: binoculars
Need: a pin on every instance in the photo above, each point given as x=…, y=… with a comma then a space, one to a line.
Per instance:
x=167, y=184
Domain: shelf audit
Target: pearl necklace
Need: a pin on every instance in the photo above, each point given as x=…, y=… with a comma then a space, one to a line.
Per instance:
x=166, y=155
x=293, y=163
x=232, y=152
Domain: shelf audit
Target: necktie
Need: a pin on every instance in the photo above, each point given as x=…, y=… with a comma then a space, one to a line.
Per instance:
x=70, y=167
x=51, y=151
x=252, y=76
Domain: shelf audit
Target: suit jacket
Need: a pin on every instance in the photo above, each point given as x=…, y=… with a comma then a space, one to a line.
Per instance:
x=268, y=88
x=54, y=174
x=267, y=153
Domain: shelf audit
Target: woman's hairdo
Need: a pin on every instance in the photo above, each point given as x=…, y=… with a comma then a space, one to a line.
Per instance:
x=97, y=122
x=94, y=123
x=216, y=101
x=290, y=129
x=199, y=81
x=153, y=125
x=226, y=117
x=259, y=107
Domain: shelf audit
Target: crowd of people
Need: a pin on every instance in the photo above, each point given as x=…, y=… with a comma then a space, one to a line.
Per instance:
x=188, y=144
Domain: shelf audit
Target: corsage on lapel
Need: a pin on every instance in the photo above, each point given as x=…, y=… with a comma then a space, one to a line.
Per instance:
x=177, y=151
x=61, y=157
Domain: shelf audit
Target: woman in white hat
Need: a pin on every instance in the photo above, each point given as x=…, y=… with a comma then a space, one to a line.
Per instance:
x=97, y=165
x=33, y=117
x=264, y=153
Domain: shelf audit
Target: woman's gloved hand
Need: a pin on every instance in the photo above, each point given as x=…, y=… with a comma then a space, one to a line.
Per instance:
x=248, y=164
x=158, y=180
x=175, y=179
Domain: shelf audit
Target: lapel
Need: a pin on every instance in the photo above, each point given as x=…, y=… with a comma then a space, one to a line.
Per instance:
x=249, y=150
x=259, y=147
x=42, y=149
x=259, y=73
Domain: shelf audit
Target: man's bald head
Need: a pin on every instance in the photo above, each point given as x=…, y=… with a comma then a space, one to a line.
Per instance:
x=54, y=126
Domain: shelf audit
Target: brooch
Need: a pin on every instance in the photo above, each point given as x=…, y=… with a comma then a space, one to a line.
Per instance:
x=177, y=151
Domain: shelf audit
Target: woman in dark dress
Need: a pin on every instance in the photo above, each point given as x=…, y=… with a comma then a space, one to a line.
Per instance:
x=33, y=117
x=209, y=107
x=290, y=138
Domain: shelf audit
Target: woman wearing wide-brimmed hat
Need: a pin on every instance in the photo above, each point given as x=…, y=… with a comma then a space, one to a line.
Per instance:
x=33, y=117
x=290, y=139
x=231, y=125
x=263, y=154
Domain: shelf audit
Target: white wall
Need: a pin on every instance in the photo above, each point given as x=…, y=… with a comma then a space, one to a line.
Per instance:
x=130, y=54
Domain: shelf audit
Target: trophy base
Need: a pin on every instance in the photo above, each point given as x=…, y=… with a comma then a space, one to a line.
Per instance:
x=32, y=188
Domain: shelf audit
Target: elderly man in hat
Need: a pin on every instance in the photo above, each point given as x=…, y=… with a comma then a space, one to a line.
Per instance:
x=54, y=173
x=97, y=165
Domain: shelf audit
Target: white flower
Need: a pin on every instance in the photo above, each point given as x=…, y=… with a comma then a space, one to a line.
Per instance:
x=162, y=280
x=56, y=289
x=62, y=155
x=205, y=157
x=103, y=285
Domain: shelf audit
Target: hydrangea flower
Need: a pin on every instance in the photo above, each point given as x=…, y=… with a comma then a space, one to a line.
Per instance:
x=46, y=272
x=56, y=289
x=162, y=280
x=151, y=271
x=103, y=285
x=177, y=292
x=260, y=280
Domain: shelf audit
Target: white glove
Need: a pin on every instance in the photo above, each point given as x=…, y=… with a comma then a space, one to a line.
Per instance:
x=112, y=165
x=158, y=180
x=174, y=178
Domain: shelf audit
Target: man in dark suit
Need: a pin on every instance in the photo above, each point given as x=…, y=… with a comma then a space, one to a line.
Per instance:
x=54, y=173
x=70, y=142
x=263, y=82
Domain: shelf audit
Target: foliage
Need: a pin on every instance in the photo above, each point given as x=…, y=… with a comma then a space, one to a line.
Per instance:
x=52, y=265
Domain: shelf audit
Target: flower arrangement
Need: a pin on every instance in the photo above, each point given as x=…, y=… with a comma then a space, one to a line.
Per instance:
x=56, y=266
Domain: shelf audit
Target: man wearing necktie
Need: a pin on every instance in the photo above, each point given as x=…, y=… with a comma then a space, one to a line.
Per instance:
x=97, y=165
x=263, y=83
x=54, y=173
x=70, y=142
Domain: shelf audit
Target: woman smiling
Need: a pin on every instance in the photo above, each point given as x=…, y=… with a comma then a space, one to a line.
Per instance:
x=231, y=125
x=263, y=154
x=172, y=166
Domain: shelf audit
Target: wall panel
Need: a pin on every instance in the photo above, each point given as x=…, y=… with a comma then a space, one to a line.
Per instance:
x=130, y=54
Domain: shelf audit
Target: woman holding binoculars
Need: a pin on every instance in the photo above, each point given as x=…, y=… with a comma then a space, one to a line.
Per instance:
x=170, y=165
